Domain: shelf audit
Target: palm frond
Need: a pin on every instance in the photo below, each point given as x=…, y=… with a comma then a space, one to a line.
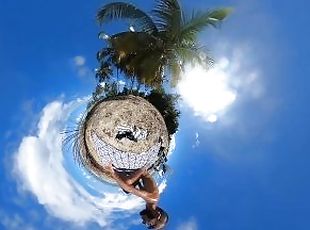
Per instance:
x=71, y=140
x=220, y=14
x=201, y=20
x=189, y=55
x=104, y=53
x=148, y=67
x=209, y=62
x=175, y=71
x=122, y=10
x=169, y=16
x=104, y=71
x=132, y=42
x=138, y=54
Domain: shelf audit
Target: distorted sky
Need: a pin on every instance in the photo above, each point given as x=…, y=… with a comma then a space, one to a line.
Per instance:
x=240, y=156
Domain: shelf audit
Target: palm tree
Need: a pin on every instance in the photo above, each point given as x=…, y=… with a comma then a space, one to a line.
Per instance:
x=155, y=49
x=158, y=43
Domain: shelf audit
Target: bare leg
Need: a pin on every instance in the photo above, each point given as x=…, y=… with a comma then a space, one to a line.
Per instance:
x=149, y=184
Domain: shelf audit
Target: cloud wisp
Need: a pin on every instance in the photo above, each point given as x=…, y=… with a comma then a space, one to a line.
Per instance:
x=79, y=64
x=197, y=142
x=39, y=167
x=190, y=224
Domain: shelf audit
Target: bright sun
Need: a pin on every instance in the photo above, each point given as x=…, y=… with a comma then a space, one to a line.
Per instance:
x=207, y=92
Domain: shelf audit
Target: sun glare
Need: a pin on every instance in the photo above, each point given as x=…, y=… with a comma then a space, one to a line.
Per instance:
x=212, y=118
x=207, y=92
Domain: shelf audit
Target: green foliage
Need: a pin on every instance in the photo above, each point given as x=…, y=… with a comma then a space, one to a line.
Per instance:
x=166, y=105
x=165, y=40
x=122, y=10
x=104, y=72
x=98, y=92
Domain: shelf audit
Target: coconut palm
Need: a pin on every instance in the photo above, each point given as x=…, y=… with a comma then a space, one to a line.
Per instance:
x=159, y=42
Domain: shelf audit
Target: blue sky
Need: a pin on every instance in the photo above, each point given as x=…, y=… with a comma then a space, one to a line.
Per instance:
x=246, y=170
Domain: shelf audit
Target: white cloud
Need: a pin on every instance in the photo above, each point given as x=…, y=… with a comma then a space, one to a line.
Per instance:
x=80, y=66
x=39, y=167
x=211, y=93
x=191, y=224
x=212, y=118
x=172, y=145
x=162, y=186
x=79, y=60
x=246, y=120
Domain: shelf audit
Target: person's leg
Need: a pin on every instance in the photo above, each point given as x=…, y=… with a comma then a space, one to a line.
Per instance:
x=149, y=184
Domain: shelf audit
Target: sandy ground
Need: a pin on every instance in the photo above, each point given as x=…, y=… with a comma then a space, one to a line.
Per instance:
x=104, y=120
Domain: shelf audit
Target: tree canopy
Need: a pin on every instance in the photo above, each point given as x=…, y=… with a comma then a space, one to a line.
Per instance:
x=158, y=44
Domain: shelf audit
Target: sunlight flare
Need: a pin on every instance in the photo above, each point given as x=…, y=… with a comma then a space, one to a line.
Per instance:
x=208, y=93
